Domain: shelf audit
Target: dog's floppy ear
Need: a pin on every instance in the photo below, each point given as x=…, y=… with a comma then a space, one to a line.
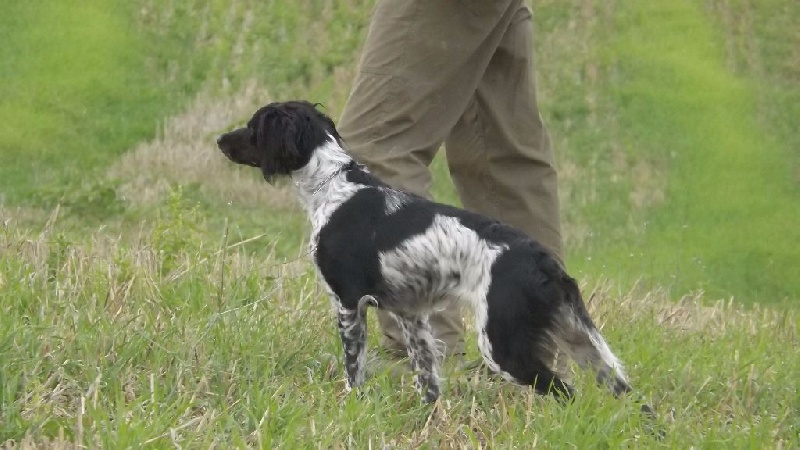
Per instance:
x=274, y=133
x=287, y=134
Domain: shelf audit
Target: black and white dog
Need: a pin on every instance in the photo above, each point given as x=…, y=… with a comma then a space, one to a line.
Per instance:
x=375, y=245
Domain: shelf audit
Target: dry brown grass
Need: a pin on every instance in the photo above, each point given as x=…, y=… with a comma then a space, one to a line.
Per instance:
x=692, y=313
x=185, y=152
x=29, y=442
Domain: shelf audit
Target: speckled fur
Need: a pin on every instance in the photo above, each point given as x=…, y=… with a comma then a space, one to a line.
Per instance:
x=378, y=246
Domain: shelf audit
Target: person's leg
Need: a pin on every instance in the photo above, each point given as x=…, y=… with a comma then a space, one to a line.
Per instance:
x=421, y=64
x=499, y=152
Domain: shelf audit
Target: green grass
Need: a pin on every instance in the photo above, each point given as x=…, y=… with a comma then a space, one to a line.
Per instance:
x=673, y=127
x=675, y=155
x=81, y=84
x=724, y=226
x=168, y=301
x=179, y=340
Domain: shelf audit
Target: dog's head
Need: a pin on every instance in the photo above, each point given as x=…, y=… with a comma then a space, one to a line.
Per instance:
x=279, y=138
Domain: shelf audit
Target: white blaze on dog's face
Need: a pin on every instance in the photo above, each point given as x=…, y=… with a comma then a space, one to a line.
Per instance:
x=279, y=138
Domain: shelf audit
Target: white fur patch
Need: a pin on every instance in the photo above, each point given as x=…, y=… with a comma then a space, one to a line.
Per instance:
x=323, y=186
x=394, y=200
x=448, y=262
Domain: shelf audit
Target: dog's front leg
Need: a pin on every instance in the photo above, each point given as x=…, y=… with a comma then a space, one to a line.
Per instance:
x=353, y=331
x=421, y=350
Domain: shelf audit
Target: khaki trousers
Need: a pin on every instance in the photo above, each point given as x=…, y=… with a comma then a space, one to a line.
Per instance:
x=458, y=72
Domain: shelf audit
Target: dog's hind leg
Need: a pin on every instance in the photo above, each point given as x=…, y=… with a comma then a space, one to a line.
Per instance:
x=513, y=340
x=421, y=350
x=353, y=331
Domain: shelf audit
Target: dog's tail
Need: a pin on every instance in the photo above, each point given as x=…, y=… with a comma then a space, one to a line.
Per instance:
x=576, y=335
x=365, y=302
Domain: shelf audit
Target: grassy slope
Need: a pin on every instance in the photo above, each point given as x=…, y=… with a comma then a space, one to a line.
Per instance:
x=654, y=135
x=169, y=336
x=684, y=170
x=81, y=84
x=725, y=225
x=122, y=77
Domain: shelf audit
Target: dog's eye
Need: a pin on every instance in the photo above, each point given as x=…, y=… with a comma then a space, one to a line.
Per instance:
x=253, y=139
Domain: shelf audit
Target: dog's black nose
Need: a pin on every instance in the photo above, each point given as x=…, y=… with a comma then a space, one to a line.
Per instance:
x=219, y=141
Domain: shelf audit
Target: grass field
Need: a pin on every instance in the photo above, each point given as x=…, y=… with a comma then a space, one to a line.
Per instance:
x=676, y=164
x=184, y=341
x=729, y=180
x=151, y=295
x=80, y=86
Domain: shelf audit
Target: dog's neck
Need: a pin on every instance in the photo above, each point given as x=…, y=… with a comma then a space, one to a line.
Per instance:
x=316, y=179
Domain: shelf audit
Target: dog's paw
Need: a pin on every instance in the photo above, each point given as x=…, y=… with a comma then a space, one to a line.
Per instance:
x=431, y=395
x=430, y=391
